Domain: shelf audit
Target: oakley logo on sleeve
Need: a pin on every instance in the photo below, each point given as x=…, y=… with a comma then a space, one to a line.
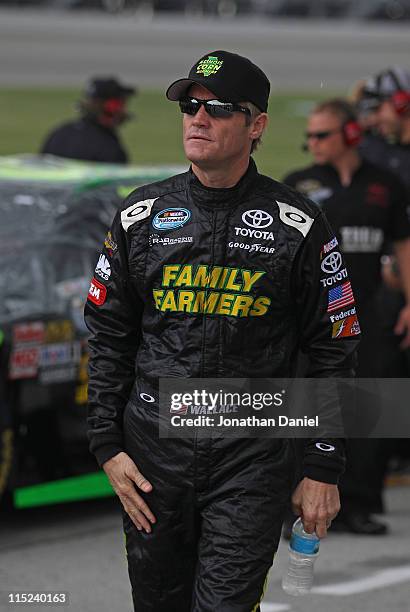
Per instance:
x=290, y=215
x=325, y=447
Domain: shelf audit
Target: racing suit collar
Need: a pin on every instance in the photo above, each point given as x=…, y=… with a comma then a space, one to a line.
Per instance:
x=221, y=197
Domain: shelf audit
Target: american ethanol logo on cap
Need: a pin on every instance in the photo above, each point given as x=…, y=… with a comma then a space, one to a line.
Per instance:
x=209, y=66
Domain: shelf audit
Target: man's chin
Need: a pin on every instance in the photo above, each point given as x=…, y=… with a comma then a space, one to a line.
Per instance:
x=197, y=154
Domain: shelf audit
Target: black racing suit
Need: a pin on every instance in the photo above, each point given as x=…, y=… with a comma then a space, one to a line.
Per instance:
x=365, y=215
x=394, y=157
x=201, y=282
x=85, y=139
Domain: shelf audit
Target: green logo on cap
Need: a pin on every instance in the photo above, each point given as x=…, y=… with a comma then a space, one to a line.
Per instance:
x=209, y=66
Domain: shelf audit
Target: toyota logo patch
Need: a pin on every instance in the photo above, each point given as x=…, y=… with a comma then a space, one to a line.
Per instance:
x=331, y=264
x=257, y=218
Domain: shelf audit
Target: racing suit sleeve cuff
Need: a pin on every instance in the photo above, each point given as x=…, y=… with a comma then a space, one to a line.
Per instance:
x=104, y=453
x=321, y=474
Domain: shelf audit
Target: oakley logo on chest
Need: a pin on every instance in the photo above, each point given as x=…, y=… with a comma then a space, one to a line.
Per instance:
x=136, y=212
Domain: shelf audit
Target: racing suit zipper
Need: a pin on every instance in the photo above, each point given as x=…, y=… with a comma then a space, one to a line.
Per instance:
x=211, y=264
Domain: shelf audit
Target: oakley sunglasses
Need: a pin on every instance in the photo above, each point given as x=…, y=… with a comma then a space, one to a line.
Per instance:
x=214, y=108
x=321, y=135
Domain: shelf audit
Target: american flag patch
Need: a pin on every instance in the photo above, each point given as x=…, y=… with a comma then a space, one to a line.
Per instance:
x=340, y=296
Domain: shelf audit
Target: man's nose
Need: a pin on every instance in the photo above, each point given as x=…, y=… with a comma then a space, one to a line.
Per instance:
x=201, y=117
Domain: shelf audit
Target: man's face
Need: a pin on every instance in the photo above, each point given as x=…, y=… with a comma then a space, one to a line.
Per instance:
x=387, y=119
x=325, y=138
x=208, y=141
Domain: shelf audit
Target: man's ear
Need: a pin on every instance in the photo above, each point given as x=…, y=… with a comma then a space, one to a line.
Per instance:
x=258, y=126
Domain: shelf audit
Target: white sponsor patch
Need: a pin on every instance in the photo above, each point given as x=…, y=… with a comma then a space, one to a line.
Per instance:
x=342, y=315
x=329, y=246
x=331, y=280
x=252, y=248
x=258, y=219
x=325, y=447
x=136, y=212
x=254, y=233
x=332, y=263
x=290, y=215
x=103, y=267
x=157, y=239
x=147, y=398
x=171, y=218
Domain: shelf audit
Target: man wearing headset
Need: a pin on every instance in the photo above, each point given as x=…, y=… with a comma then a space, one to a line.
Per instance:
x=366, y=206
x=388, y=94
x=94, y=136
x=203, y=516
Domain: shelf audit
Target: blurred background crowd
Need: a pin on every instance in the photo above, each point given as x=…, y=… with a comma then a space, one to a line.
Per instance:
x=362, y=9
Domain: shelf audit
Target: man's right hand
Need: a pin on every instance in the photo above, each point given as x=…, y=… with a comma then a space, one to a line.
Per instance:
x=125, y=477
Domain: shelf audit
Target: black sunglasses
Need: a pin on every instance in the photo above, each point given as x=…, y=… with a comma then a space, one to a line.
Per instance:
x=320, y=135
x=214, y=108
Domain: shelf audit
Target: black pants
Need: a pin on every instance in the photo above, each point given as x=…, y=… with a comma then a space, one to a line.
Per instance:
x=219, y=505
x=379, y=356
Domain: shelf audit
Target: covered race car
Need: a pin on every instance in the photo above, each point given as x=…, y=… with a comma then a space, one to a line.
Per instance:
x=54, y=217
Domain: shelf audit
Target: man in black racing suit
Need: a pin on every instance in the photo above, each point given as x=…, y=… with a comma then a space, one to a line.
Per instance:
x=217, y=272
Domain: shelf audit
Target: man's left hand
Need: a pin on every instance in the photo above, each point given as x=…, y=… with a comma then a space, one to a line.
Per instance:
x=403, y=326
x=317, y=503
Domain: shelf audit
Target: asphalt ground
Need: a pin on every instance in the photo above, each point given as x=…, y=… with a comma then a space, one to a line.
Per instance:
x=79, y=549
x=64, y=48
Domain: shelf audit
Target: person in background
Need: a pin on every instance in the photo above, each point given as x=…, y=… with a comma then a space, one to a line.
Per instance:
x=366, y=206
x=387, y=98
x=383, y=103
x=94, y=135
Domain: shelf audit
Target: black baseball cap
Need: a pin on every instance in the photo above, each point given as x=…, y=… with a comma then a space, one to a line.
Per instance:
x=231, y=77
x=386, y=83
x=105, y=88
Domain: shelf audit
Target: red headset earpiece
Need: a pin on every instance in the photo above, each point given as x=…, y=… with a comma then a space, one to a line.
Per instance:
x=401, y=101
x=113, y=106
x=352, y=133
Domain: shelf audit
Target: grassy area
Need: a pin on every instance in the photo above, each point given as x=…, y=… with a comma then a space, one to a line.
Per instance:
x=27, y=115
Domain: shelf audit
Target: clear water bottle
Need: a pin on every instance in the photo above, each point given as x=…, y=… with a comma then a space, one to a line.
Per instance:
x=303, y=552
